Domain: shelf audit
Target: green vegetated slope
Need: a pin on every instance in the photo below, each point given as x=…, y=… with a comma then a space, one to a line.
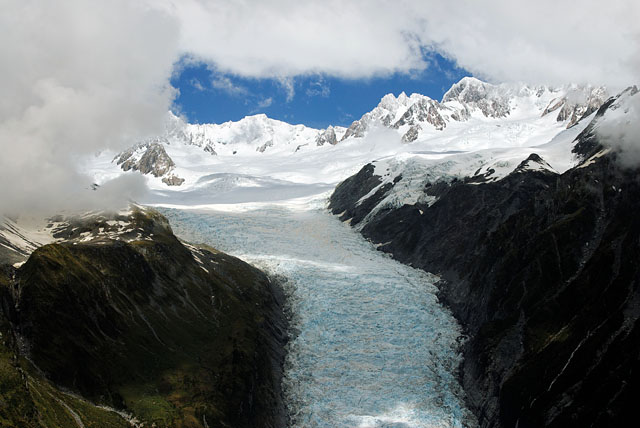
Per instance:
x=175, y=336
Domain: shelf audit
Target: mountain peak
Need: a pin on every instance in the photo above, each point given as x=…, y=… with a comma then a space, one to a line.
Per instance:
x=391, y=103
x=468, y=89
x=491, y=100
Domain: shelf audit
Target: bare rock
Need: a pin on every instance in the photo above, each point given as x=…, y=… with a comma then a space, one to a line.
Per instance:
x=328, y=136
x=173, y=180
x=412, y=134
x=148, y=158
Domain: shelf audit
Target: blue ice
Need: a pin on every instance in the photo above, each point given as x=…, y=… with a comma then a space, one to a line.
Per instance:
x=371, y=345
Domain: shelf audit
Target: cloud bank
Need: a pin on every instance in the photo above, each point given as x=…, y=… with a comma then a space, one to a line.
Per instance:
x=537, y=42
x=77, y=76
x=619, y=129
x=80, y=76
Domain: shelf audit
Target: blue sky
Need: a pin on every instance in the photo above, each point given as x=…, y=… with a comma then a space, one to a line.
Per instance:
x=316, y=100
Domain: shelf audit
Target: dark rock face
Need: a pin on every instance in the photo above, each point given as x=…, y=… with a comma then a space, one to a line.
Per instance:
x=178, y=335
x=345, y=199
x=542, y=271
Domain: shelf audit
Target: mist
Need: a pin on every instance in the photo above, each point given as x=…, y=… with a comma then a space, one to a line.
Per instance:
x=78, y=76
x=619, y=129
x=81, y=76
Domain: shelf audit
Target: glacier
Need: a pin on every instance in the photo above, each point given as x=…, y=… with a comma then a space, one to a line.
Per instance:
x=370, y=344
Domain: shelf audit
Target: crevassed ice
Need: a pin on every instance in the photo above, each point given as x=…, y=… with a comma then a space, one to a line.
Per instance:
x=371, y=345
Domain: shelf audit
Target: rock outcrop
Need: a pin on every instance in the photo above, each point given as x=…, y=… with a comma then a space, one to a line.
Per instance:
x=153, y=159
x=357, y=129
x=173, y=180
x=150, y=158
x=425, y=110
x=328, y=136
x=579, y=103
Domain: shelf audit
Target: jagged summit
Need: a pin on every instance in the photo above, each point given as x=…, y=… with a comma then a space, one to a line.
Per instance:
x=579, y=101
x=417, y=115
x=467, y=118
x=471, y=93
x=465, y=86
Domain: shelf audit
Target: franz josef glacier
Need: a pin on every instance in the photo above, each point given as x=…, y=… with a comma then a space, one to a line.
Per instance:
x=464, y=262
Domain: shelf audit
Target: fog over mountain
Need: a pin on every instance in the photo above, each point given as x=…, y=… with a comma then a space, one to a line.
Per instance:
x=82, y=76
x=449, y=239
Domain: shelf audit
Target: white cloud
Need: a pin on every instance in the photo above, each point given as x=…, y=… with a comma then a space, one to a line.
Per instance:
x=261, y=105
x=318, y=88
x=76, y=77
x=619, y=129
x=285, y=38
x=197, y=85
x=225, y=84
x=265, y=103
x=553, y=41
x=547, y=41
x=288, y=85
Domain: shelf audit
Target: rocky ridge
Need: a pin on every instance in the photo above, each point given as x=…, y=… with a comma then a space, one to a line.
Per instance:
x=541, y=270
x=470, y=96
x=415, y=118
x=118, y=312
x=576, y=104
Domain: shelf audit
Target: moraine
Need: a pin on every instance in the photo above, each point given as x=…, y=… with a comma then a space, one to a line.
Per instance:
x=371, y=346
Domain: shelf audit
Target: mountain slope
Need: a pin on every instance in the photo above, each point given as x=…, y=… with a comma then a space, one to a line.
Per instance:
x=471, y=116
x=119, y=311
x=541, y=270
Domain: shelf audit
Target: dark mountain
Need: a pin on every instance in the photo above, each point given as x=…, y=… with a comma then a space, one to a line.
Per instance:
x=542, y=271
x=123, y=314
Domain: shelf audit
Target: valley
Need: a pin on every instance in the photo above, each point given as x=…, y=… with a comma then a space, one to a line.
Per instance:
x=371, y=273
x=370, y=343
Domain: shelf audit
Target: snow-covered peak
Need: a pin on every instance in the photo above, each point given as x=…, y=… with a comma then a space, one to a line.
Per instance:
x=391, y=104
x=388, y=111
x=534, y=163
x=249, y=134
x=493, y=101
x=576, y=102
x=464, y=87
x=390, y=100
x=473, y=115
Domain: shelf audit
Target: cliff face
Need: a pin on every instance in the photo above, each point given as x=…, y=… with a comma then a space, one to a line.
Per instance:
x=174, y=334
x=542, y=271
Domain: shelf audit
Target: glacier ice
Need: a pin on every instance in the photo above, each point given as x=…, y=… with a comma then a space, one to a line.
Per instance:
x=371, y=346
